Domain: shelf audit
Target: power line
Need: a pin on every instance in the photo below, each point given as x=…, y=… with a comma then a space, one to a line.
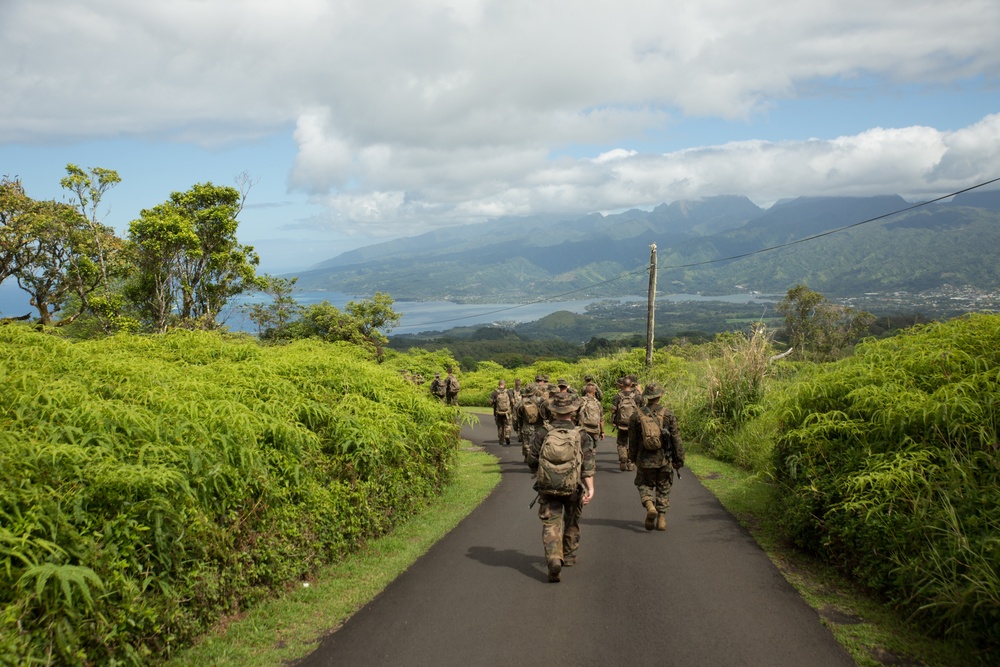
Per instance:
x=643, y=270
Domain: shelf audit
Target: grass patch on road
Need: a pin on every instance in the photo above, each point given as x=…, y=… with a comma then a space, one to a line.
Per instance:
x=288, y=628
x=871, y=631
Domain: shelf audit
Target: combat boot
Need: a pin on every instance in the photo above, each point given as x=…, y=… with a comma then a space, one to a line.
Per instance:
x=661, y=521
x=555, y=567
x=623, y=465
x=651, y=515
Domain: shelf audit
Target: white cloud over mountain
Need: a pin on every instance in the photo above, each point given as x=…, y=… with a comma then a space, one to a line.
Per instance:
x=409, y=114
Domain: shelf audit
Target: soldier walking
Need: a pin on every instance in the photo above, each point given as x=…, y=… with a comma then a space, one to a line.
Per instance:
x=528, y=417
x=562, y=458
x=655, y=449
x=503, y=410
x=623, y=406
x=438, y=387
x=452, y=388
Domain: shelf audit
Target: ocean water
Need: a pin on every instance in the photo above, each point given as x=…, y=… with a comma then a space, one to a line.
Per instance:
x=417, y=316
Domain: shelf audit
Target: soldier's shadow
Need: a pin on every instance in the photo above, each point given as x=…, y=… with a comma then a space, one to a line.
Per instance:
x=530, y=566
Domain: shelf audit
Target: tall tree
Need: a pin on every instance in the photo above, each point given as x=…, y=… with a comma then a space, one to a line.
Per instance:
x=87, y=189
x=57, y=260
x=219, y=267
x=818, y=328
x=189, y=260
x=16, y=209
x=161, y=237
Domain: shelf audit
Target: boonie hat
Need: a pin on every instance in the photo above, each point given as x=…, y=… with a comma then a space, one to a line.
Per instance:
x=564, y=404
x=528, y=389
x=562, y=383
x=652, y=390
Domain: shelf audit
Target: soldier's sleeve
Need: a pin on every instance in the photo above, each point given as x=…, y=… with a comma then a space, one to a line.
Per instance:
x=589, y=462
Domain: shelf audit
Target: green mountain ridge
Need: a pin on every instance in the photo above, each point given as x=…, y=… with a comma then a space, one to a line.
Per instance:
x=514, y=259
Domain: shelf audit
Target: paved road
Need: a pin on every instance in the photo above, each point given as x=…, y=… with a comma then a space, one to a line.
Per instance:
x=702, y=593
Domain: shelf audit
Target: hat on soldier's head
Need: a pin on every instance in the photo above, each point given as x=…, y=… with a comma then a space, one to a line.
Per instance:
x=437, y=375
x=538, y=377
x=588, y=378
x=545, y=377
x=528, y=389
x=589, y=386
x=562, y=383
x=564, y=404
x=652, y=390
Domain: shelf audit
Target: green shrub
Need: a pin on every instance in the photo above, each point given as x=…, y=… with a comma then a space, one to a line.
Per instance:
x=152, y=484
x=889, y=466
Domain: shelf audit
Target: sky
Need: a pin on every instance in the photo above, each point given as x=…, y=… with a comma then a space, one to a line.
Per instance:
x=362, y=121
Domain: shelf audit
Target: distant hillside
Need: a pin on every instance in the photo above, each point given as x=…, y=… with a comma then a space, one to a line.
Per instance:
x=514, y=259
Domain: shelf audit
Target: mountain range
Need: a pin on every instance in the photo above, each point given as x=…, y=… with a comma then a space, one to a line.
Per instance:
x=716, y=245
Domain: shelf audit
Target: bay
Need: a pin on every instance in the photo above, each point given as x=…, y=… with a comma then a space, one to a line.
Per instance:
x=417, y=316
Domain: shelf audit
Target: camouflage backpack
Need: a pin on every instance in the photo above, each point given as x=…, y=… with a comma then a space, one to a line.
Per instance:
x=502, y=404
x=591, y=413
x=559, y=462
x=626, y=408
x=652, y=431
x=453, y=385
x=531, y=413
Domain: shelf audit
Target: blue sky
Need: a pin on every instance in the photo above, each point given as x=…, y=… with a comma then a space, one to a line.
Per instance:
x=364, y=121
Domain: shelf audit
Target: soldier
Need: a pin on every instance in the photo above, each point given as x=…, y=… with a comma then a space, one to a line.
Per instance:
x=452, y=388
x=529, y=416
x=655, y=447
x=591, y=414
x=418, y=379
x=562, y=458
x=515, y=402
x=622, y=408
x=590, y=378
x=438, y=387
x=503, y=410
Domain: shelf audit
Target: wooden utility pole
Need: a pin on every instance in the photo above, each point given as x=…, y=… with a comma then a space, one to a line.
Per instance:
x=651, y=307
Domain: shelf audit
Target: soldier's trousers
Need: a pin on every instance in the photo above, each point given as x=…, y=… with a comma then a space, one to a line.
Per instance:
x=654, y=484
x=560, y=517
x=622, y=444
x=526, y=434
x=503, y=427
x=451, y=399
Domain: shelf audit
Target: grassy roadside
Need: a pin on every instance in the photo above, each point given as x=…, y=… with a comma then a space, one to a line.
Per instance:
x=872, y=633
x=288, y=627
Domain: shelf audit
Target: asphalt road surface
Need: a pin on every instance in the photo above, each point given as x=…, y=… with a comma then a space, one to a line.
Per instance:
x=701, y=593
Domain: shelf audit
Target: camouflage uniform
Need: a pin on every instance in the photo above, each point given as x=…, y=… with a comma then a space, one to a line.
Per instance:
x=621, y=426
x=525, y=429
x=451, y=389
x=438, y=387
x=503, y=420
x=654, y=473
x=560, y=515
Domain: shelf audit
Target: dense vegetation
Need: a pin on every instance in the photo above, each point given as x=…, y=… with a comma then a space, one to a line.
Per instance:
x=152, y=484
x=889, y=466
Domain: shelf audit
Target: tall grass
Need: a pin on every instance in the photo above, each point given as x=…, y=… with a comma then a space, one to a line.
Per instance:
x=890, y=466
x=152, y=484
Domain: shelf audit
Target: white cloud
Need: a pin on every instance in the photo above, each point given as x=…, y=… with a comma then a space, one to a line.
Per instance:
x=412, y=113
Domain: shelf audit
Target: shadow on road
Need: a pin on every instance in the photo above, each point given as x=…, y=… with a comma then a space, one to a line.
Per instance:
x=530, y=566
